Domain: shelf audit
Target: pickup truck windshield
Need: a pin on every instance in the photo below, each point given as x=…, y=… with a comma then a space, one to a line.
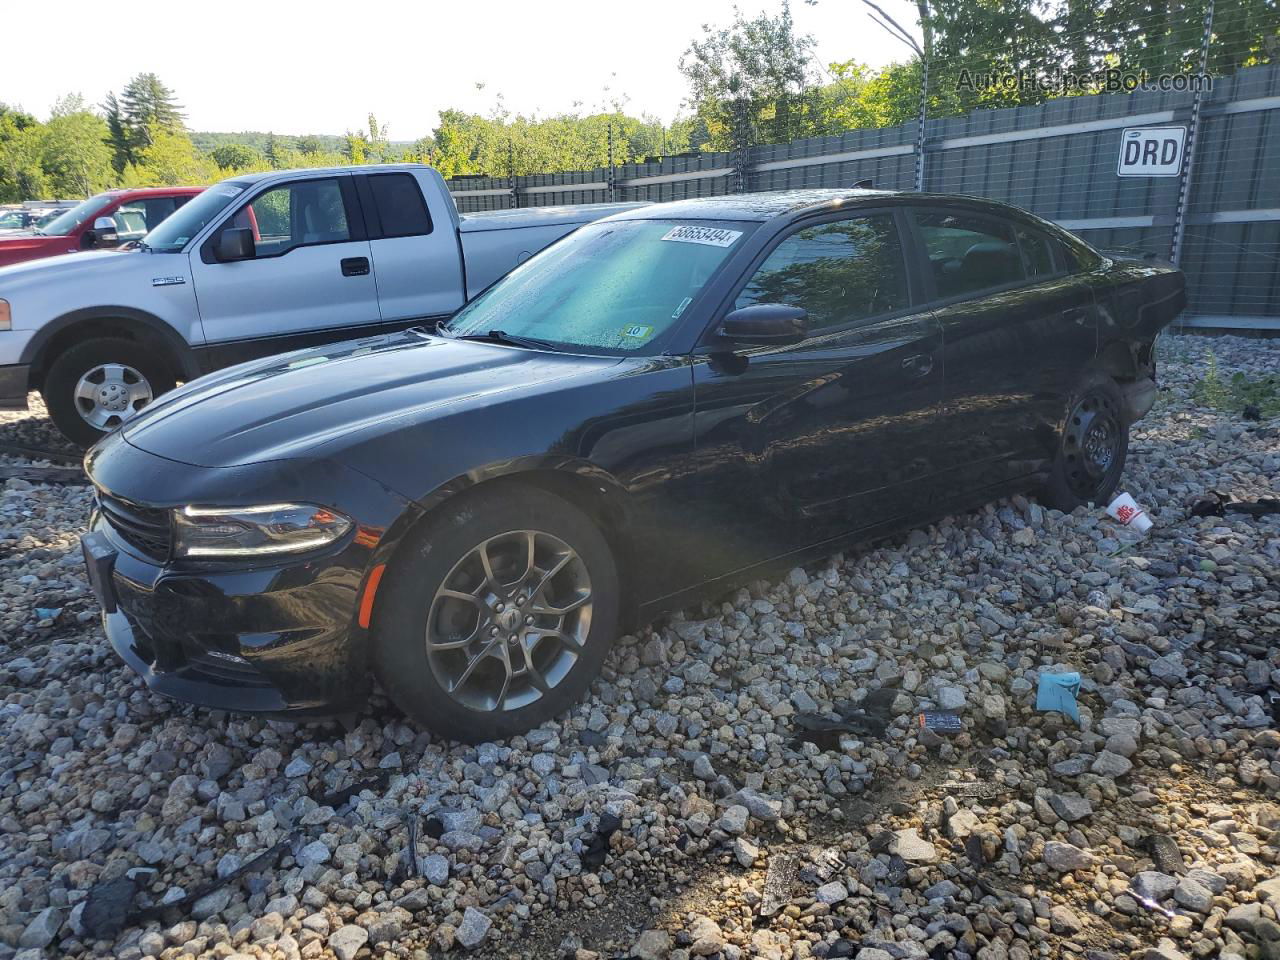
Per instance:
x=176, y=230
x=615, y=287
x=63, y=224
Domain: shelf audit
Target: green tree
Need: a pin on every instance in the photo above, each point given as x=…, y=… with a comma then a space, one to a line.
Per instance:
x=21, y=176
x=73, y=153
x=236, y=156
x=145, y=107
x=757, y=72
x=170, y=159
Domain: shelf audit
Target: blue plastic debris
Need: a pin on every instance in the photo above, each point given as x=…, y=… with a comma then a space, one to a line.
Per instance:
x=1057, y=691
x=48, y=613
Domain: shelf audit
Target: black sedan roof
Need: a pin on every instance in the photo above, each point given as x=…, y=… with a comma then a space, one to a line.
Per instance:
x=752, y=206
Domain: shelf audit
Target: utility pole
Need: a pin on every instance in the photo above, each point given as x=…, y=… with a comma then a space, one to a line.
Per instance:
x=1193, y=130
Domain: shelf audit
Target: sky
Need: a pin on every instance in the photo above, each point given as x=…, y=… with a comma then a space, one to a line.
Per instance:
x=321, y=66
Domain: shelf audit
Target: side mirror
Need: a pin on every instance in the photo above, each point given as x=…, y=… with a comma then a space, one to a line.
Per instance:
x=765, y=324
x=236, y=243
x=104, y=232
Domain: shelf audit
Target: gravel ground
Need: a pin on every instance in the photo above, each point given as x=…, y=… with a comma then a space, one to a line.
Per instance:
x=676, y=813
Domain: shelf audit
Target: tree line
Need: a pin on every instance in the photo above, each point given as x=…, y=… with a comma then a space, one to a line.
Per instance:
x=754, y=80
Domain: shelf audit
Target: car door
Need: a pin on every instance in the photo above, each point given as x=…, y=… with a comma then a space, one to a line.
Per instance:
x=417, y=264
x=1017, y=330
x=804, y=443
x=310, y=279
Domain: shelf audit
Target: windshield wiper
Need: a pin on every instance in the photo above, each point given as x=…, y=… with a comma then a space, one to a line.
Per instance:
x=501, y=336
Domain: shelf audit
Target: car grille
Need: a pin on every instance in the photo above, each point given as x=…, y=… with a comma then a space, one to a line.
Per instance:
x=146, y=528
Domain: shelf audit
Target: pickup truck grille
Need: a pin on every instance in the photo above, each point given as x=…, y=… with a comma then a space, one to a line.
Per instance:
x=146, y=528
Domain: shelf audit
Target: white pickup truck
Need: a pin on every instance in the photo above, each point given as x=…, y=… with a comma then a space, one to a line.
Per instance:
x=253, y=266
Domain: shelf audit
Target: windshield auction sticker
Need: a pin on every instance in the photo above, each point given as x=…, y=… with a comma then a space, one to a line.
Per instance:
x=708, y=236
x=637, y=331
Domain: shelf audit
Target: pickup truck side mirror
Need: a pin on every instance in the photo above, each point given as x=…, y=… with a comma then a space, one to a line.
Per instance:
x=236, y=243
x=765, y=324
x=104, y=232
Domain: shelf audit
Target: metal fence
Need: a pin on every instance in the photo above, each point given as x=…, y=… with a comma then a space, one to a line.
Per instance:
x=1058, y=159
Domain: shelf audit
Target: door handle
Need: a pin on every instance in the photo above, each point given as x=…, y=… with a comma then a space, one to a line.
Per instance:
x=355, y=267
x=918, y=365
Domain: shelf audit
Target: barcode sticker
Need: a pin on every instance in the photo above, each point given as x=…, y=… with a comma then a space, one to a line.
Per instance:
x=708, y=236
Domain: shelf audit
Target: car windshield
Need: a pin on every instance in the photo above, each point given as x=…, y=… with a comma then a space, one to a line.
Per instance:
x=176, y=230
x=64, y=223
x=14, y=218
x=616, y=287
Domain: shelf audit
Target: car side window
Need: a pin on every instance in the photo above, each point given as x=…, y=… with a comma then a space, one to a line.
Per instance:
x=839, y=272
x=401, y=209
x=1037, y=255
x=968, y=253
x=299, y=214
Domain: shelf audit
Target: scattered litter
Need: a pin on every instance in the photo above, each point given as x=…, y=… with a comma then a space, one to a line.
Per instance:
x=867, y=719
x=1058, y=692
x=1124, y=509
x=1165, y=854
x=107, y=907
x=940, y=722
x=594, y=855
x=259, y=863
x=47, y=613
x=779, y=881
x=1151, y=904
x=412, y=867
x=1215, y=504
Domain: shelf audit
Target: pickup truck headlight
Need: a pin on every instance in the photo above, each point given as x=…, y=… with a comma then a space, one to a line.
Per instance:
x=257, y=531
x=6, y=316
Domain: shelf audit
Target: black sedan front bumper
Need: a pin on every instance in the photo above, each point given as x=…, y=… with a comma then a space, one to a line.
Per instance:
x=275, y=640
x=278, y=634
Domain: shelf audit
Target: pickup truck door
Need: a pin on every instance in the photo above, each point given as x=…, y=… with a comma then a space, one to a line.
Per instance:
x=310, y=279
x=417, y=260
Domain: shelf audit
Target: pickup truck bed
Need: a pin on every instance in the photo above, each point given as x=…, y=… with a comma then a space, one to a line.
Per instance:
x=495, y=241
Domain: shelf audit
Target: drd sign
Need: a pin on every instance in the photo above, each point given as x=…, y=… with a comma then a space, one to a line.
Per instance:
x=1151, y=151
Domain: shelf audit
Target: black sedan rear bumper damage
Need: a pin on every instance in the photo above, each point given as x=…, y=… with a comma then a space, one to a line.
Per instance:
x=274, y=640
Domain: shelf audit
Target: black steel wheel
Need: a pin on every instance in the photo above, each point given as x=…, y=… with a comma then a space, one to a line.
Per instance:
x=1093, y=445
x=497, y=614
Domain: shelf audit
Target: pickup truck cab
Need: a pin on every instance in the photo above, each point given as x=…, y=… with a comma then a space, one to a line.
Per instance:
x=257, y=265
x=103, y=222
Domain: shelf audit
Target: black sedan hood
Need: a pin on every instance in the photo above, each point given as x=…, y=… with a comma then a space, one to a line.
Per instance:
x=293, y=404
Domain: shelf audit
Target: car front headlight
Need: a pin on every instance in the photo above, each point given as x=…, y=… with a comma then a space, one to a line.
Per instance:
x=257, y=531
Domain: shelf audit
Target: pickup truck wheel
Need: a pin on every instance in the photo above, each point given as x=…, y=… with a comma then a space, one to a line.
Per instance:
x=1092, y=447
x=497, y=615
x=95, y=386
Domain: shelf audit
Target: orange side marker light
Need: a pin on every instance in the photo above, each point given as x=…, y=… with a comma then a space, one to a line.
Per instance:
x=370, y=588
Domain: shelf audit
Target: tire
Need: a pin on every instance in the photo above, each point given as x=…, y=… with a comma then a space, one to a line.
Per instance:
x=1092, y=446
x=137, y=372
x=439, y=688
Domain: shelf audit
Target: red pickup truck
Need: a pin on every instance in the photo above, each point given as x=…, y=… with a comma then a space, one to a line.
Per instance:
x=102, y=222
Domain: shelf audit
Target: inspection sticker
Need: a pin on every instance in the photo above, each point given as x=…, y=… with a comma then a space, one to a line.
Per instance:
x=637, y=331
x=708, y=236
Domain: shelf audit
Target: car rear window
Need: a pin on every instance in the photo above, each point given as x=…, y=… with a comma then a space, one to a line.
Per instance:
x=401, y=208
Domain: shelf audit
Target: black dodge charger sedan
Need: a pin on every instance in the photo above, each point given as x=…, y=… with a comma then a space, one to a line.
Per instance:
x=662, y=404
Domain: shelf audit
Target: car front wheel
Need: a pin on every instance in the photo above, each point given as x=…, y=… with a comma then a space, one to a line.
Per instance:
x=497, y=614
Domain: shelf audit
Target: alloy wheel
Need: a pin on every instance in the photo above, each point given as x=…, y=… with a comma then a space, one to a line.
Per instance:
x=1091, y=444
x=111, y=393
x=509, y=621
